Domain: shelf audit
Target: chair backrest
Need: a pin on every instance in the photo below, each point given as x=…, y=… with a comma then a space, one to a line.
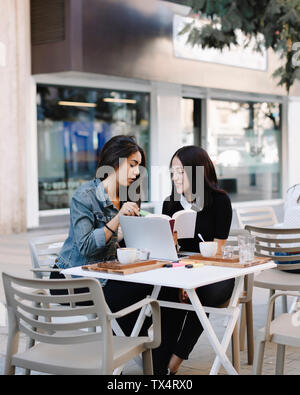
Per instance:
x=259, y=216
x=43, y=251
x=282, y=245
x=31, y=309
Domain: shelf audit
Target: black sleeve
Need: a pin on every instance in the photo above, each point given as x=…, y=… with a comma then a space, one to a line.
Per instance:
x=166, y=208
x=223, y=216
x=170, y=207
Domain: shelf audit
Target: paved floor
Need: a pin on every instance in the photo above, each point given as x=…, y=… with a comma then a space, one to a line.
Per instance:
x=15, y=259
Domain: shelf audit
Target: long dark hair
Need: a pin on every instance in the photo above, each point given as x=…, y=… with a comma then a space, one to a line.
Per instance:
x=118, y=147
x=192, y=156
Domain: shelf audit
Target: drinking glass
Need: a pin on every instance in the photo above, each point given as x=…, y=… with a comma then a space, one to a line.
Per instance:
x=246, y=248
x=227, y=252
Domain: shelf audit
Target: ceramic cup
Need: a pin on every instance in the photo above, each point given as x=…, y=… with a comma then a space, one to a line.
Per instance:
x=208, y=248
x=127, y=255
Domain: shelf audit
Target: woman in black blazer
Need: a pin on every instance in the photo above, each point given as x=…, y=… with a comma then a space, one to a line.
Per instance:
x=194, y=186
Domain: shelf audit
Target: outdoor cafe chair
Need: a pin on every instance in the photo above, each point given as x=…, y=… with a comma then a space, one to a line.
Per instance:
x=259, y=216
x=43, y=251
x=68, y=348
x=284, y=331
x=283, y=246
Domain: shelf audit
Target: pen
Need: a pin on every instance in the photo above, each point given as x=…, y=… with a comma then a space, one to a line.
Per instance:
x=175, y=264
x=193, y=265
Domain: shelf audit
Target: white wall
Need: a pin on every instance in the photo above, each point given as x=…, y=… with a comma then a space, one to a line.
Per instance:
x=15, y=70
x=293, y=141
x=32, y=201
x=165, y=137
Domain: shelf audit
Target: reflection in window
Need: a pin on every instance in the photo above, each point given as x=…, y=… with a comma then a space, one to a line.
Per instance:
x=244, y=142
x=190, y=121
x=73, y=125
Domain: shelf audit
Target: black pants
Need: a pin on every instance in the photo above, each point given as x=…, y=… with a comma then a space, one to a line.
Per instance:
x=120, y=294
x=58, y=276
x=180, y=329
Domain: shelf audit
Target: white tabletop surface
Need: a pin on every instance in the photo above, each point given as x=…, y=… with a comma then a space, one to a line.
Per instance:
x=179, y=277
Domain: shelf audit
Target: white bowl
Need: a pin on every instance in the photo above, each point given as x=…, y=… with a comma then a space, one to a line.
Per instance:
x=127, y=255
x=208, y=248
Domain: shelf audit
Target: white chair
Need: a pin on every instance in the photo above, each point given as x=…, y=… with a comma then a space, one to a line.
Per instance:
x=43, y=251
x=259, y=216
x=283, y=246
x=246, y=320
x=68, y=348
x=283, y=331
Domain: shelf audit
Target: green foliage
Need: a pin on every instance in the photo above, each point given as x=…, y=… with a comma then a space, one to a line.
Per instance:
x=278, y=21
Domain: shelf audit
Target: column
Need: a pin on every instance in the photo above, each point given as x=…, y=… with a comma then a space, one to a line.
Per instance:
x=165, y=137
x=14, y=112
x=293, y=143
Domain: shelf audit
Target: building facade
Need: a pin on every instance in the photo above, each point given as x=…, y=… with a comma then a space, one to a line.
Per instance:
x=76, y=72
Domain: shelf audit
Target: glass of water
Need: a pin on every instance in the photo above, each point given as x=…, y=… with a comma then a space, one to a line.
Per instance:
x=227, y=252
x=246, y=248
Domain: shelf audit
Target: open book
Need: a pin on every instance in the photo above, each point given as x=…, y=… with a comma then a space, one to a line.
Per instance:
x=185, y=222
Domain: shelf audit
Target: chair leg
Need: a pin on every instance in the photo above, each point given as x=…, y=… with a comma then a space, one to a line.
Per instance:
x=235, y=348
x=272, y=292
x=258, y=357
x=9, y=369
x=12, y=348
x=29, y=343
x=147, y=362
x=280, y=359
x=243, y=327
x=250, y=335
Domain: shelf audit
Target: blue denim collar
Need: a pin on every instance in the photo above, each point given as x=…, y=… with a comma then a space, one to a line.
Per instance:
x=102, y=195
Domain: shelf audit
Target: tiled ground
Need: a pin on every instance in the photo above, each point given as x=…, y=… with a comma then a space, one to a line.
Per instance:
x=14, y=258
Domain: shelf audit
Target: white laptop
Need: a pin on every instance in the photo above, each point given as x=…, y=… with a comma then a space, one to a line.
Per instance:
x=150, y=233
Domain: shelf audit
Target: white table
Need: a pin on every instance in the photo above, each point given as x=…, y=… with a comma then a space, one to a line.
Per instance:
x=189, y=280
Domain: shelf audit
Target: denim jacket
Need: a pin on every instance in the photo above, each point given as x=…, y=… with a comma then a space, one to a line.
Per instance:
x=90, y=209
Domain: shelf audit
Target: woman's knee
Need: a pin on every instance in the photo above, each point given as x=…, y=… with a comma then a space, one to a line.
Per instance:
x=215, y=294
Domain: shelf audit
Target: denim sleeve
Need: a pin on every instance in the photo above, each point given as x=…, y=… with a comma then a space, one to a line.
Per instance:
x=88, y=239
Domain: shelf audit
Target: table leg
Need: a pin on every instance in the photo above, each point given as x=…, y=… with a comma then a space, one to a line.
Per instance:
x=233, y=304
x=214, y=341
x=146, y=310
x=114, y=325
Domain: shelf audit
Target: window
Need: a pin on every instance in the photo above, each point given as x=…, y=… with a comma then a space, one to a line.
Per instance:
x=244, y=142
x=73, y=125
x=190, y=121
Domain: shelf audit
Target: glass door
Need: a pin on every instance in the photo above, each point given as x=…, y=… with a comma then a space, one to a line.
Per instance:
x=191, y=121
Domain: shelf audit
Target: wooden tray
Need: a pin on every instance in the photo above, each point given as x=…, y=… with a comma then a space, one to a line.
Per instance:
x=255, y=262
x=116, y=267
x=217, y=258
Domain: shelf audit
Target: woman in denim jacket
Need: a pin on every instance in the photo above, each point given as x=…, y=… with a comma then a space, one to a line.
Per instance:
x=94, y=220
